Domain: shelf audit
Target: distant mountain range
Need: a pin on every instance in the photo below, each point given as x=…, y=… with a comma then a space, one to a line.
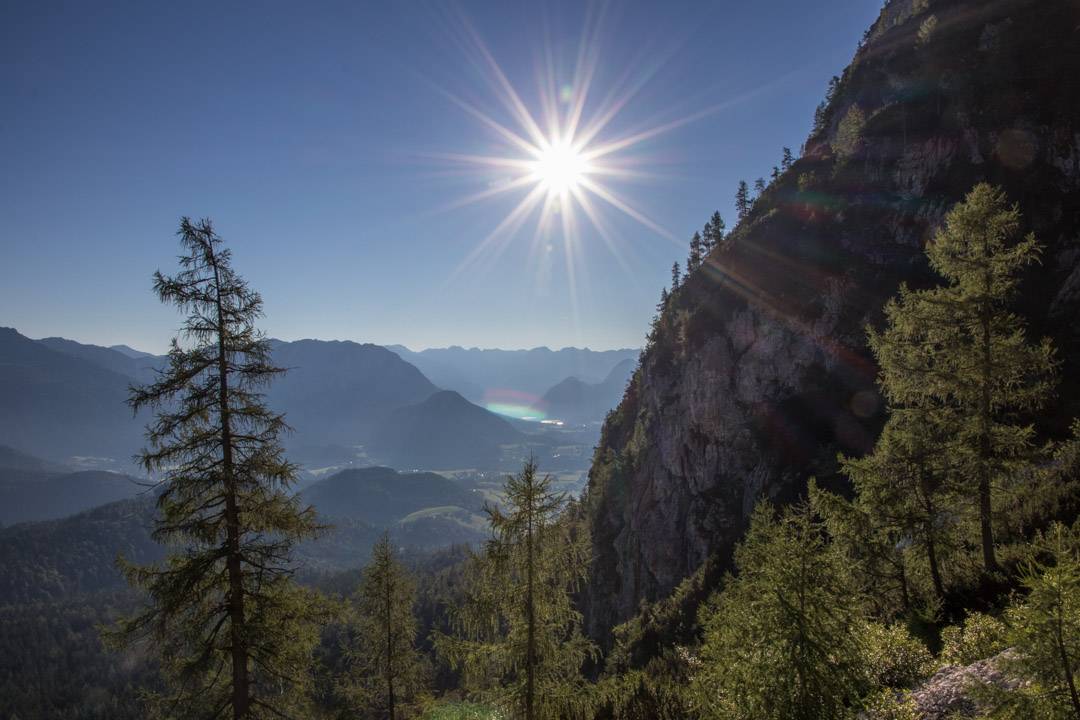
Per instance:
x=485, y=376
x=60, y=404
x=349, y=403
x=577, y=401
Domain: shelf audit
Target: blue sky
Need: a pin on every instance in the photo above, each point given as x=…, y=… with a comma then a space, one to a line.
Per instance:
x=315, y=135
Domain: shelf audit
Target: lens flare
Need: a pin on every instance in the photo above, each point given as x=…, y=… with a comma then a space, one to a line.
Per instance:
x=560, y=168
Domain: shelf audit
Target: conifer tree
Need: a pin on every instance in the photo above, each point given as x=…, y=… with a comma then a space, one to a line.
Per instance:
x=676, y=277
x=759, y=186
x=713, y=233
x=1044, y=630
x=782, y=637
x=959, y=354
x=231, y=627
x=787, y=160
x=519, y=641
x=775, y=174
x=742, y=200
x=697, y=251
x=906, y=491
x=383, y=657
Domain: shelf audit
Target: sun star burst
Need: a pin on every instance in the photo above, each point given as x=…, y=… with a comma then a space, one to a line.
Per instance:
x=560, y=166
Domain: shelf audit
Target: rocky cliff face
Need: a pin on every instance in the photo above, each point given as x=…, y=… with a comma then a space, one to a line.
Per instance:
x=757, y=373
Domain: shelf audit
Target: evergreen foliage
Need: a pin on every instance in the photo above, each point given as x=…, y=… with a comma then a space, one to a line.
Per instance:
x=960, y=358
x=697, y=251
x=386, y=670
x=1044, y=631
x=713, y=233
x=518, y=641
x=231, y=627
x=742, y=200
x=782, y=639
x=906, y=502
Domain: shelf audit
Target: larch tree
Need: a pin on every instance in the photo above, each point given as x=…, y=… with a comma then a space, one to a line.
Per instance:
x=233, y=630
x=961, y=355
x=782, y=640
x=385, y=664
x=908, y=495
x=713, y=234
x=742, y=200
x=697, y=251
x=1044, y=632
x=518, y=641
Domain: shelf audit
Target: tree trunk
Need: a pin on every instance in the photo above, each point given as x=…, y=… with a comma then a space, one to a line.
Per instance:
x=389, y=651
x=530, y=660
x=935, y=571
x=241, y=684
x=928, y=530
x=1066, y=666
x=985, y=446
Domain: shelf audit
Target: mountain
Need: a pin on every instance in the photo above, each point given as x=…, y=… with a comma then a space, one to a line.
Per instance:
x=131, y=352
x=57, y=405
x=137, y=368
x=576, y=401
x=445, y=431
x=12, y=459
x=510, y=377
x=337, y=391
x=381, y=496
x=759, y=373
x=59, y=559
x=64, y=399
x=76, y=555
x=36, y=495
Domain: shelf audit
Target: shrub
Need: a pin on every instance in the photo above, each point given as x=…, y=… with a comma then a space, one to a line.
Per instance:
x=981, y=636
x=894, y=657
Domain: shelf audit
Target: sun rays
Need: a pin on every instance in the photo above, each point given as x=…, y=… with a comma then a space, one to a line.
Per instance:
x=556, y=153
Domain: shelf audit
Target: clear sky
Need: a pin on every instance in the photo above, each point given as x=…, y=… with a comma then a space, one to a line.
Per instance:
x=325, y=140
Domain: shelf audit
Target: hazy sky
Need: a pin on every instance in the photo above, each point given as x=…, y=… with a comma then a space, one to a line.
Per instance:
x=325, y=141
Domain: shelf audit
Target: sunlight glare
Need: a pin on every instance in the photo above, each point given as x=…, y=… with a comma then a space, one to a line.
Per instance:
x=560, y=167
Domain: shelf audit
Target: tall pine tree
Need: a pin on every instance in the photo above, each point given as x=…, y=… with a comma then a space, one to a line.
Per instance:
x=519, y=641
x=742, y=200
x=960, y=355
x=905, y=490
x=384, y=661
x=713, y=234
x=697, y=251
x=228, y=622
x=782, y=639
x=787, y=160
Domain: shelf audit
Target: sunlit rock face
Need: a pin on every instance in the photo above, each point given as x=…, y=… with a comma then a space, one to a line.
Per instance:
x=759, y=373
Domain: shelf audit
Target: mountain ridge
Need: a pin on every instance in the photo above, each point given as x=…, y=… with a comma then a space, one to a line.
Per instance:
x=758, y=372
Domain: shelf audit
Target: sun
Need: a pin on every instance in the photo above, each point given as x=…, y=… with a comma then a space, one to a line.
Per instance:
x=560, y=167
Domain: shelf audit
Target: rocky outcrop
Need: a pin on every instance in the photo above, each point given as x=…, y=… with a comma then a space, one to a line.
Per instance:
x=948, y=694
x=757, y=372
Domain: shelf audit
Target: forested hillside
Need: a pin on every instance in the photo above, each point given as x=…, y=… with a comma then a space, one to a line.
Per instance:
x=758, y=370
